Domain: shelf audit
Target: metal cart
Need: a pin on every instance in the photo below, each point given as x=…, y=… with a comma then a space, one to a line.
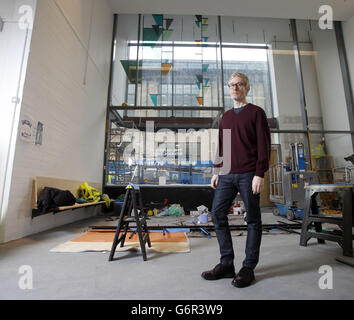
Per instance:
x=287, y=184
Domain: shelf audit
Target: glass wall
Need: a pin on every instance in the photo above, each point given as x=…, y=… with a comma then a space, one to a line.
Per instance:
x=326, y=102
x=169, y=67
x=178, y=59
x=160, y=157
x=124, y=60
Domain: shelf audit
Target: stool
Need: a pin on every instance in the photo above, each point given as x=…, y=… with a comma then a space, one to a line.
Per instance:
x=132, y=201
x=311, y=214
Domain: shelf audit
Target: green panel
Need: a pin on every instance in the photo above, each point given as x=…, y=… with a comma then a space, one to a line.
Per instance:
x=157, y=29
x=158, y=19
x=151, y=34
x=205, y=67
x=166, y=34
x=199, y=77
x=129, y=67
x=154, y=99
x=204, y=27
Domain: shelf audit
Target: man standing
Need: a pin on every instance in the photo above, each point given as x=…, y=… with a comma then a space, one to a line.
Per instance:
x=248, y=150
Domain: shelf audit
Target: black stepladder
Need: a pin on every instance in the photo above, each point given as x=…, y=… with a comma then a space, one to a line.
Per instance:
x=132, y=202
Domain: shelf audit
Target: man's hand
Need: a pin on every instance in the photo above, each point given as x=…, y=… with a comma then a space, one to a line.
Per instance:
x=214, y=181
x=257, y=184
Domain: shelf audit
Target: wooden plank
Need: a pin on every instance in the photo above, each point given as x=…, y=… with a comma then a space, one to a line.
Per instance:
x=34, y=194
x=80, y=205
x=329, y=186
x=36, y=213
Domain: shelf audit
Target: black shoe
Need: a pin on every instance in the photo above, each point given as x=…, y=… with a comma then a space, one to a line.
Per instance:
x=244, y=278
x=220, y=271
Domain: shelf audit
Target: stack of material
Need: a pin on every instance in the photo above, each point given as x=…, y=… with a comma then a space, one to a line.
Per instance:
x=101, y=240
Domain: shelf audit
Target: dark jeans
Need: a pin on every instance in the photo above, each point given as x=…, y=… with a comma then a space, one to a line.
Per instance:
x=226, y=190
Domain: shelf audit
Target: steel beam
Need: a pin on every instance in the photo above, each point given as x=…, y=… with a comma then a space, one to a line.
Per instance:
x=109, y=101
x=221, y=66
x=137, y=62
x=305, y=121
x=195, y=108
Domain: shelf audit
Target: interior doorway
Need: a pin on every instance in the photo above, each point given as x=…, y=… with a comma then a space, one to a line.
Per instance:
x=13, y=54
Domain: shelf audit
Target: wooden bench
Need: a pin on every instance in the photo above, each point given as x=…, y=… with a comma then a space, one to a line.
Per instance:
x=63, y=184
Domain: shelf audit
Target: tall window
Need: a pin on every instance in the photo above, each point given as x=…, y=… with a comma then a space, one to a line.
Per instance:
x=189, y=80
x=178, y=61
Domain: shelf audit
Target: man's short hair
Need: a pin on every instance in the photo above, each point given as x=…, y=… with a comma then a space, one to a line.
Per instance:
x=242, y=76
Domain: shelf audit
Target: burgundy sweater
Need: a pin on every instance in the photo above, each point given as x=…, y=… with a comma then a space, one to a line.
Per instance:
x=250, y=140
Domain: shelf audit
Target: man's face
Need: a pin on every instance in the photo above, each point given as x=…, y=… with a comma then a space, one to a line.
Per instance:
x=238, y=89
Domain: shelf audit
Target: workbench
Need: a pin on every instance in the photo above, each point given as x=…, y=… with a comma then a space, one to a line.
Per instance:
x=343, y=237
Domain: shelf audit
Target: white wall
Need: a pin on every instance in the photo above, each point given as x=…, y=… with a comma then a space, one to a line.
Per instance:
x=286, y=104
x=15, y=41
x=66, y=89
x=276, y=33
x=348, y=31
x=333, y=103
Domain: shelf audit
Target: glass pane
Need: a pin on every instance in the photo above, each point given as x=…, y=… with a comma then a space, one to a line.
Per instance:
x=324, y=94
x=124, y=80
x=262, y=49
x=180, y=65
x=254, y=63
x=168, y=157
x=182, y=52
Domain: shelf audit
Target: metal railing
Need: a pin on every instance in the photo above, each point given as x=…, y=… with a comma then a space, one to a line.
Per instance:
x=276, y=193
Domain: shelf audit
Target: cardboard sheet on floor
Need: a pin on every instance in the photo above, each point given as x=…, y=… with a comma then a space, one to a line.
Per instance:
x=101, y=240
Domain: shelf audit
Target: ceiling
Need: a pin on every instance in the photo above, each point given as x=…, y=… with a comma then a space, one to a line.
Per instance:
x=297, y=9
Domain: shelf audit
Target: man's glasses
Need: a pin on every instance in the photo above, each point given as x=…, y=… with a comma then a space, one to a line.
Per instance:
x=237, y=85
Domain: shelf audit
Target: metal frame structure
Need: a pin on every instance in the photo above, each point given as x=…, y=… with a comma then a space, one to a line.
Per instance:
x=312, y=216
x=113, y=115
x=266, y=227
x=305, y=121
x=110, y=112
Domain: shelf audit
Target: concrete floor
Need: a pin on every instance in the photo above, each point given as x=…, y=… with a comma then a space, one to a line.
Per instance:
x=285, y=270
